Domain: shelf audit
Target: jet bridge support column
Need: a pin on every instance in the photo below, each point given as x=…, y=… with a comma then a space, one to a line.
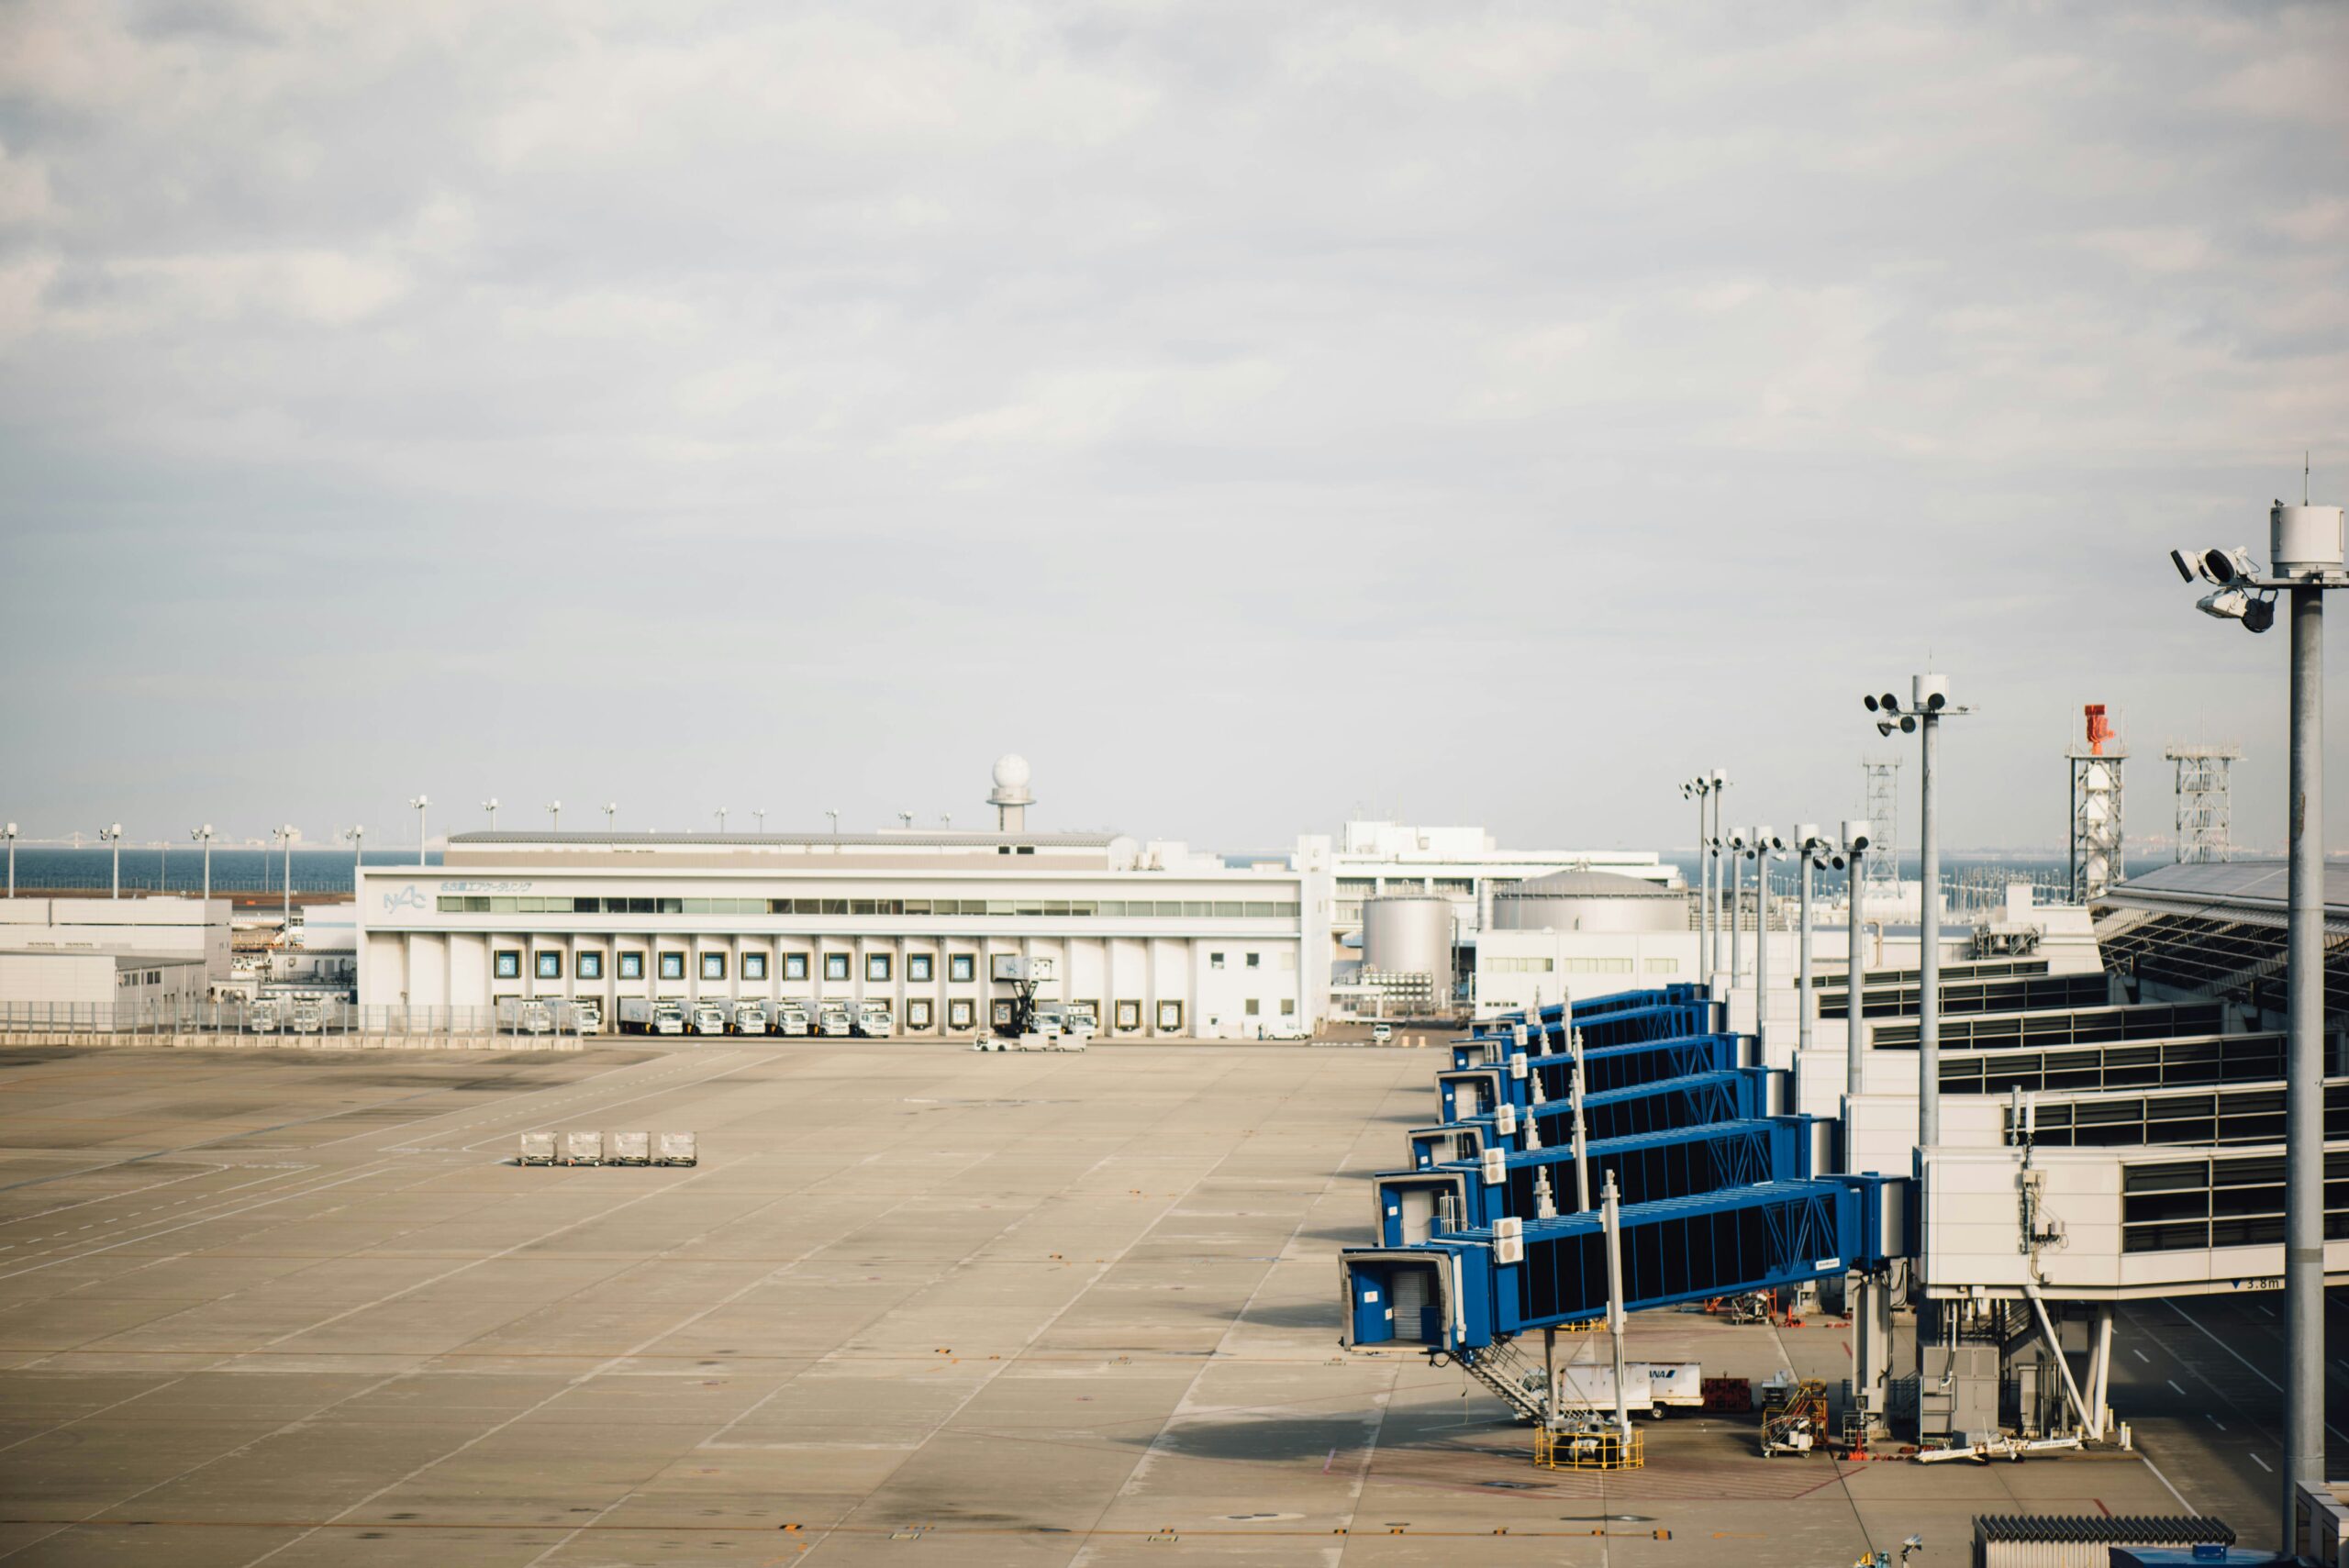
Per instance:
x=1870, y=1303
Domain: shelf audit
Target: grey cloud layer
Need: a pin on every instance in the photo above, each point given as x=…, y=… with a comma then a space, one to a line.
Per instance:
x=1485, y=412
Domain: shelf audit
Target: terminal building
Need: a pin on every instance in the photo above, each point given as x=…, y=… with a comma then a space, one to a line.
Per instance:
x=1151, y=939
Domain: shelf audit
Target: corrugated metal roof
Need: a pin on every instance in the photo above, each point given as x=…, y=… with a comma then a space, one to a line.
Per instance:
x=2119, y=1529
x=767, y=840
x=1584, y=885
x=2239, y=887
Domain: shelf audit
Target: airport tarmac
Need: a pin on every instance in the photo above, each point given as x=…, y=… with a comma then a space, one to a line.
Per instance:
x=916, y=1303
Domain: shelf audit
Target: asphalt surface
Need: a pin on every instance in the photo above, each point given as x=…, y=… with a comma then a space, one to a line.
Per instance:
x=914, y=1303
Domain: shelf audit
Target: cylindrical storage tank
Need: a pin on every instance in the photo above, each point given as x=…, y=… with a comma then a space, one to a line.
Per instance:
x=1408, y=933
x=1588, y=901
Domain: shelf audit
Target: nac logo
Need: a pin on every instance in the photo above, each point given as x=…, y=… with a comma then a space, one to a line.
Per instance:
x=406, y=898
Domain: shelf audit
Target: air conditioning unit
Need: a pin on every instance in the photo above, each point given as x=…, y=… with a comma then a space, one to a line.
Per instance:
x=1508, y=1241
x=1517, y=1067
x=1504, y=1122
x=1495, y=1167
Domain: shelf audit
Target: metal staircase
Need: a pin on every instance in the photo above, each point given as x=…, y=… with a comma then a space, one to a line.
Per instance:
x=1518, y=1384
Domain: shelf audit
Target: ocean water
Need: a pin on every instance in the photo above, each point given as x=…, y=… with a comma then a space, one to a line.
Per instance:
x=40, y=869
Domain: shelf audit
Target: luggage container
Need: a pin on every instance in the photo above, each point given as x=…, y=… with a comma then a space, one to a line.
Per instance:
x=583, y=1148
x=538, y=1148
x=629, y=1149
x=677, y=1149
x=1653, y=1388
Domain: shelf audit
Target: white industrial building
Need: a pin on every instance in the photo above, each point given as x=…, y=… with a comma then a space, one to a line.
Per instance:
x=162, y=926
x=53, y=987
x=1155, y=941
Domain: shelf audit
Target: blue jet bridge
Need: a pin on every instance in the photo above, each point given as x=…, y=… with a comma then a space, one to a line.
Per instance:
x=1419, y=1204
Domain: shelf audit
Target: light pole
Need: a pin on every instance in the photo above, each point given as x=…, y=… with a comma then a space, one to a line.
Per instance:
x=1855, y=971
x=1766, y=845
x=490, y=805
x=721, y=820
x=285, y=834
x=9, y=833
x=554, y=813
x=1700, y=790
x=418, y=805
x=358, y=855
x=761, y=813
x=1929, y=704
x=2305, y=560
x=906, y=818
x=1739, y=837
x=114, y=831
x=204, y=836
x=834, y=813
x=1818, y=853
x=611, y=813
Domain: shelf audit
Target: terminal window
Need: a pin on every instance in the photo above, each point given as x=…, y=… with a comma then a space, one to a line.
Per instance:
x=632, y=966
x=591, y=966
x=713, y=966
x=876, y=966
x=508, y=964
x=550, y=966
x=1215, y=960
x=1256, y=961
x=962, y=966
x=755, y=966
x=918, y=1013
x=917, y=967
x=795, y=966
x=960, y=1013
x=836, y=966
x=673, y=966
x=1252, y=1008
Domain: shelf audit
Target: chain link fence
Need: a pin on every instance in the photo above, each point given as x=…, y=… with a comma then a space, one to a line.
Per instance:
x=316, y=1021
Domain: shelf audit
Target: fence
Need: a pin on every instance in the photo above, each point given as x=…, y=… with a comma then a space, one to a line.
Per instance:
x=316, y=1021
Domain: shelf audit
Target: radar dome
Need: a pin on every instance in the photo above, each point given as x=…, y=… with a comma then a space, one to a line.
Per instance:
x=1011, y=772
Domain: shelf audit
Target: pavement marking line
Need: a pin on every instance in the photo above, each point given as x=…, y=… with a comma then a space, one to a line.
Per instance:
x=2173, y=1383
x=2164, y=1481
x=1141, y=1465
x=2261, y=1462
x=2263, y=1377
x=209, y=1201
x=2139, y=1354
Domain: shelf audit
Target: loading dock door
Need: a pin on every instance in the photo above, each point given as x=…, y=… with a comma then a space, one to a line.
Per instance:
x=1417, y=1217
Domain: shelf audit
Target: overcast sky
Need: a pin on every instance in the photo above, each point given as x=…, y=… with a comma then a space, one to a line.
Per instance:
x=1256, y=414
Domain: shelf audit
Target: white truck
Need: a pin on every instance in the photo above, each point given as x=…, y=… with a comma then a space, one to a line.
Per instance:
x=262, y=1018
x=309, y=1018
x=587, y=1016
x=640, y=1014
x=873, y=1021
x=1653, y=1387
x=534, y=1018
x=832, y=1019
x=750, y=1018
x=710, y=1018
x=791, y=1018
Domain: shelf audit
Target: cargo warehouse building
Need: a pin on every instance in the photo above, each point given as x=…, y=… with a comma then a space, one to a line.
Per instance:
x=1157, y=942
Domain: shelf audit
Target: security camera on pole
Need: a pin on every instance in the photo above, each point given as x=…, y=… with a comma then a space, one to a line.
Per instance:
x=1701, y=789
x=1929, y=704
x=1738, y=840
x=2305, y=560
x=1817, y=852
x=113, y=830
x=1857, y=839
x=1764, y=849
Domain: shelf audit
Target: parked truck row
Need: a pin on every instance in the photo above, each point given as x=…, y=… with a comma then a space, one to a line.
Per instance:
x=668, y=1014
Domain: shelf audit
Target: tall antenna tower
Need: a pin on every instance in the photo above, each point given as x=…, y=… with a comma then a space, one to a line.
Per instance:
x=2096, y=807
x=1880, y=867
x=2205, y=807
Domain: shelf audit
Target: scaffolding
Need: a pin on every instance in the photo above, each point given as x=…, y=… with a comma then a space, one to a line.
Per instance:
x=2096, y=860
x=2205, y=804
x=1880, y=867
